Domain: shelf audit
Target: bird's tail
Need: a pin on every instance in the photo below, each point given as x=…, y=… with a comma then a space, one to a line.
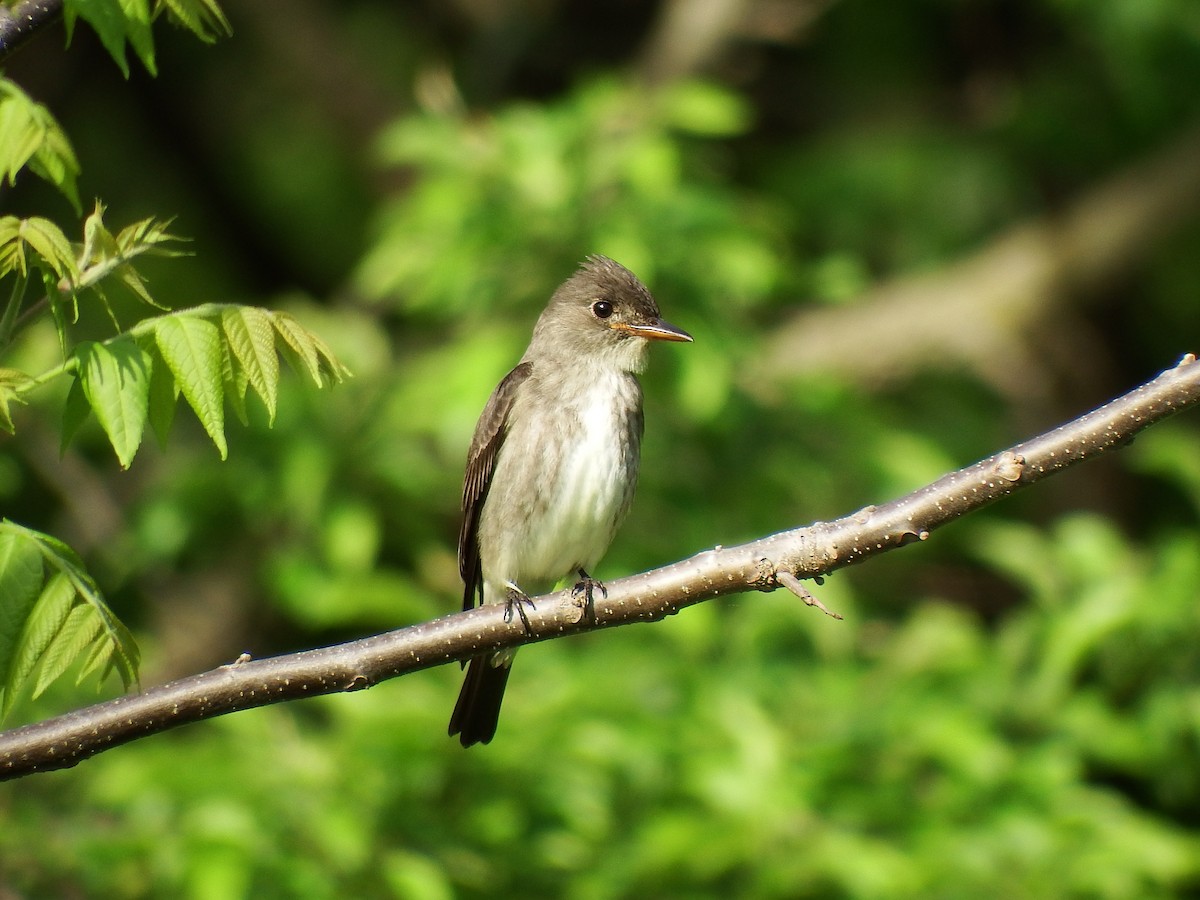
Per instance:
x=478, y=708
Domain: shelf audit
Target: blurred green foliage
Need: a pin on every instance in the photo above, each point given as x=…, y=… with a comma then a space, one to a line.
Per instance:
x=1009, y=709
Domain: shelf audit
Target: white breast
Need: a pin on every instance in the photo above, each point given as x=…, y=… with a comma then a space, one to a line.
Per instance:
x=570, y=503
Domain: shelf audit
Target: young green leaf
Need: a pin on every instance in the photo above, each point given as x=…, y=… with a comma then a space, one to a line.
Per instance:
x=115, y=377
x=44, y=238
x=249, y=333
x=318, y=360
x=191, y=348
x=114, y=645
x=116, y=21
x=10, y=381
x=21, y=574
x=164, y=394
x=45, y=621
x=203, y=18
x=29, y=135
x=75, y=413
x=236, y=382
x=81, y=628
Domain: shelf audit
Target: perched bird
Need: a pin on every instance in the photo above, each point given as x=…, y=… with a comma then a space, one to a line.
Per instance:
x=554, y=461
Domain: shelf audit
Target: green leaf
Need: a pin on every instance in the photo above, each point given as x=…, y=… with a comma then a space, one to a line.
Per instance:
x=11, y=382
x=115, y=377
x=115, y=22
x=44, y=623
x=44, y=238
x=309, y=349
x=252, y=339
x=116, y=645
x=81, y=627
x=235, y=381
x=75, y=413
x=164, y=394
x=191, y=348
x=21, y=575
x=30, y=136
x=203, y=18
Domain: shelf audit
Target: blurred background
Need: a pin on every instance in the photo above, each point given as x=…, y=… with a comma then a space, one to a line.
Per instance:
x=904, y=235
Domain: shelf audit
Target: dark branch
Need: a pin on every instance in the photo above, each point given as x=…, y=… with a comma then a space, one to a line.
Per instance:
x=759, y=565
x=21, y=22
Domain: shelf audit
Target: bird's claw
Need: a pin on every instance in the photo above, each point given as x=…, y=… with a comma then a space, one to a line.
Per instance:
x=587, y=586
x=517, y=599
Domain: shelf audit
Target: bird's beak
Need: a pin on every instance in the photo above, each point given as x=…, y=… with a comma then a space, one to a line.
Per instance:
x=655, y=330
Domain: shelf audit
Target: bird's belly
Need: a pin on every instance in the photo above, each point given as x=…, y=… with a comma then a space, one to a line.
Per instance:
x=570, y=506
x=581, y=514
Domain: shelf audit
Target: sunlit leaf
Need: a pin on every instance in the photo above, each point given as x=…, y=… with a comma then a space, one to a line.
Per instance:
x=309, y=350
x=43, y=237
x=191, y=348
x=11, y=380
x=115, y=377
x=30, y=136
x=252, y=339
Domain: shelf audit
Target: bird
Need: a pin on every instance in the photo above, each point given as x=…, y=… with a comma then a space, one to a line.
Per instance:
x=553, y=462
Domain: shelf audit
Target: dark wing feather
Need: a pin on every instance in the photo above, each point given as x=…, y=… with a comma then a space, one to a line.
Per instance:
x=481, y=462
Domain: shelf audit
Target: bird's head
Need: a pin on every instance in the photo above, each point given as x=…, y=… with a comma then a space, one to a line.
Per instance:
x=604, y=313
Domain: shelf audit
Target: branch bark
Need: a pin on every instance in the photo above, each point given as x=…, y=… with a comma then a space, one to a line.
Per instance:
x=764, y=564
x=21, y=22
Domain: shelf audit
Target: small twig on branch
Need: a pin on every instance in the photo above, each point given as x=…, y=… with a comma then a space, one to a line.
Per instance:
x=19, y=23
x=763, y=564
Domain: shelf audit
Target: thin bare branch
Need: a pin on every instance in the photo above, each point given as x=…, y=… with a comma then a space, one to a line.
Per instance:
x=21, y=22
x=763, y=564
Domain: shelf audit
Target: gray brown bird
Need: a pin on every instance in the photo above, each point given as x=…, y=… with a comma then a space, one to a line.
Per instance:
x=554, y=461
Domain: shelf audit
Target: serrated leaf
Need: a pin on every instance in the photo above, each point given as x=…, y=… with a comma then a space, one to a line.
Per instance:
x=98, y=242
x=11, y=380
x=82, y=626
x=48, y=241
x=115, y=377
x=114, y=23
x=122, y=652
x=148, y=236
x=75, y=413
x=20, y=135
x=132, y=279
x=30, y=136
x=252, y=339
x=191, y=348
x=45, y=621
x=203, y=18
x=41, y=236
x=236, y=383
x=300, y=340
x=164, y=395
x=21, y=576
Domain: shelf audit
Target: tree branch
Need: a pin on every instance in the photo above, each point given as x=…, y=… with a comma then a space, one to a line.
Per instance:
x=763, y=564
x=21, y=22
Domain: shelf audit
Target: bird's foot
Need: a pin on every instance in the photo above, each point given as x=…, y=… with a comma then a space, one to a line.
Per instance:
x=585, y=588
x=516, y=599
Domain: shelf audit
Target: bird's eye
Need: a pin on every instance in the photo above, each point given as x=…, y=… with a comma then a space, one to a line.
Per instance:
x=602, y=308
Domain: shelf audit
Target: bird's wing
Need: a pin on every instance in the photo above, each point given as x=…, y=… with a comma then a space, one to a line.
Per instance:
x=481, y=462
